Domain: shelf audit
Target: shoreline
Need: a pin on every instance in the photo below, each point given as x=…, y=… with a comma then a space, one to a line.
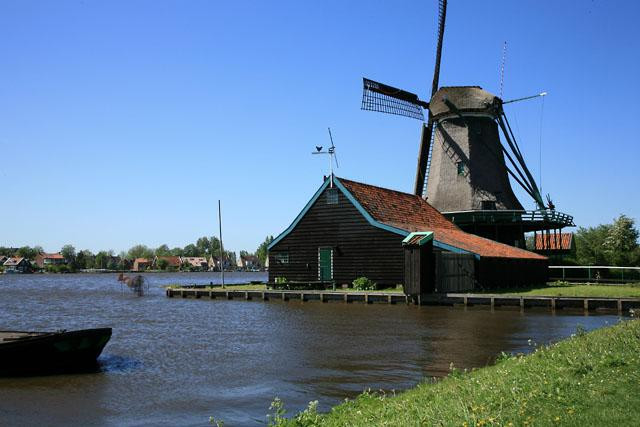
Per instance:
x=588, y=379
x=104, y=271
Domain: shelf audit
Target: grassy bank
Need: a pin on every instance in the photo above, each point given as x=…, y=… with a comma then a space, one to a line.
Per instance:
x=590, y=379
x=563, y=289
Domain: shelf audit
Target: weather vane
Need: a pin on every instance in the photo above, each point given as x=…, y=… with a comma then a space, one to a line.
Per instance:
x=331, y=152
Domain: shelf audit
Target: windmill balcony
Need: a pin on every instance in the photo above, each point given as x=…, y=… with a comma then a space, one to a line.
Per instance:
x=533, y=220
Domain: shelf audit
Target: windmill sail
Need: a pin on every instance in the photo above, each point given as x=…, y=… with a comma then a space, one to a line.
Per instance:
x=388, y=99
x=426, y=141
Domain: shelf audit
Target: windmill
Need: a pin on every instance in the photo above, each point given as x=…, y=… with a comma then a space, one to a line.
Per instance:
x=331, y=153
x=461, y=167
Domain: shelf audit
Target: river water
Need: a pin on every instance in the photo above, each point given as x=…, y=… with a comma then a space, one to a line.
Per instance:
x=180, y=361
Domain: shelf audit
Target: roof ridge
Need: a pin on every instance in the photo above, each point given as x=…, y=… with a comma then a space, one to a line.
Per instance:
x=381, y=188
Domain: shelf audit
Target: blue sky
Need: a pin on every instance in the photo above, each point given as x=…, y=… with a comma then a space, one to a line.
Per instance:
x=124, y=122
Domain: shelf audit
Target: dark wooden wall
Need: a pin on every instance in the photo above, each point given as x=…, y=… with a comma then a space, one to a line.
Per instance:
x=495, y=273
x=419, y=269
x=359, y=249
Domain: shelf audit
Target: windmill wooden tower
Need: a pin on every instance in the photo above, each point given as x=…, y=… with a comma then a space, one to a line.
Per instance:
x=462, y=168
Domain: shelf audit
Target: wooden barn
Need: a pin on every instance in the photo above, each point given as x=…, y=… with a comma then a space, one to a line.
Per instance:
x=349, y=230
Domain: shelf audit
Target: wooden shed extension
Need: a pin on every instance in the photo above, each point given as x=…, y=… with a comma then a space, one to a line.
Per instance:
x=355, y=229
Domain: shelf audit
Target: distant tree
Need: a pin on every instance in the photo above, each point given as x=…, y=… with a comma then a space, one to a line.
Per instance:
x=6, y=251
x=190, y=250
x=85, y=259
x=69, y=254
x=163, y=264
x=590, y=248
x=114, y=263
x=163, y=250
x=261, y=252
x=81, y=261
x=244, y=254
x=230, y=257
x=28, y=252
x=208, y=246
x=621, y=241
x=204, y=246
x=177, y=252
x=102, y=260
x=140, y=251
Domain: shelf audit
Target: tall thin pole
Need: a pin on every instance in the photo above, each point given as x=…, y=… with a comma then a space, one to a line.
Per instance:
x=504, y=58
x=221, y=245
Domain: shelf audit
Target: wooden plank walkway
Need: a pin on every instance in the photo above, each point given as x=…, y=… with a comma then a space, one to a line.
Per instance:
x=286, y=295
x=619, y=305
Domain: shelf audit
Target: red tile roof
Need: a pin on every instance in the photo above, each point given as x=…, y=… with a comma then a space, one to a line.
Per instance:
x=412, y=213
x=52, y=256
x=173, y=261
x=13, y=261
x=554, y=242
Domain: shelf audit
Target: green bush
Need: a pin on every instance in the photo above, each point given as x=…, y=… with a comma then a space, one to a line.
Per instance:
x=364, y=284
x=281, y=280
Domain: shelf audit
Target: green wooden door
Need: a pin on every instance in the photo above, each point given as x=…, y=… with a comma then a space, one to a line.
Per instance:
x=325, y=261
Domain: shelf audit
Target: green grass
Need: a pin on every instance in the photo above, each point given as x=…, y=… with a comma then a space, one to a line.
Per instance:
x=563, y=289
x=590, y=379
x=244, y=287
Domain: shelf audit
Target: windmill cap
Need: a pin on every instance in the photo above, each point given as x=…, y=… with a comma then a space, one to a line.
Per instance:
x=451, y=100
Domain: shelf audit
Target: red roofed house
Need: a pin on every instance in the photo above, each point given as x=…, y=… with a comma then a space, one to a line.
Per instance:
x=556, y=246
x=196, y=262
x=555, y=243
x=353, y=229
x=43, y=260
x=173, y=262
x=141, y=264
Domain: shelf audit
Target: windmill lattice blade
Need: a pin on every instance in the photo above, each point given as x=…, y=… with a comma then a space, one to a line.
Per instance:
x=387, y=99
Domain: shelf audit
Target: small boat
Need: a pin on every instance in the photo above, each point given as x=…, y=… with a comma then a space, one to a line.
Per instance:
x=24, y=353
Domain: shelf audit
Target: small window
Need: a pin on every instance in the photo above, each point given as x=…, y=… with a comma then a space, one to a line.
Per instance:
x=488, y=205
x=281, y=257
x=332, y=196
x=460, y=166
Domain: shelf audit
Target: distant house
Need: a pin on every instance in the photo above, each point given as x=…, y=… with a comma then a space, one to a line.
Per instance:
x=141, y=264
x=214, y=263
x=125, y=263
x=555, y=244
x=196, y=262
x=44, y=260
x=3, y=258
x=249, y=262
x=17, y=265
x=172, y=261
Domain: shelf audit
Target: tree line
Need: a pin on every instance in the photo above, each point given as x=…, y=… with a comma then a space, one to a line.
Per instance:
x=107, y=259
x=608, y=244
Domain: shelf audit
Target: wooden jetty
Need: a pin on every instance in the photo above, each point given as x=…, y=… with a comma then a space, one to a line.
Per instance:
x=451, y=299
